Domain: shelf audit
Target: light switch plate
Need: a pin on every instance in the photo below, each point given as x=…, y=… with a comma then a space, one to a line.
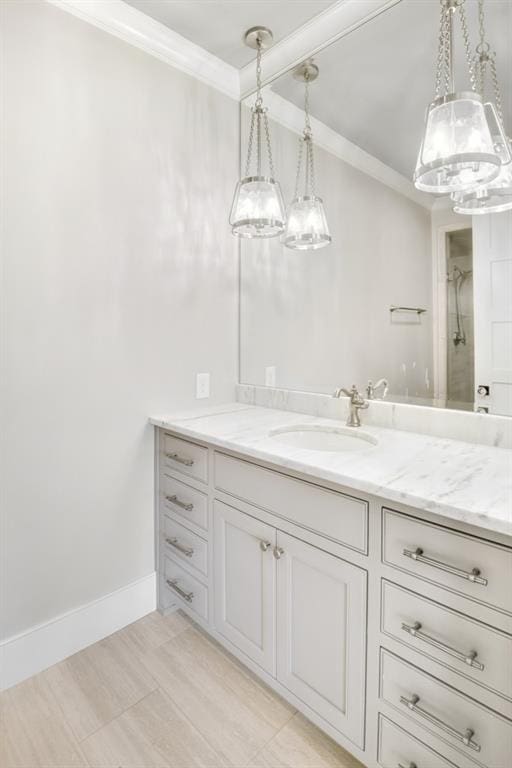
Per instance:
x=270, y=376
x=202, y=385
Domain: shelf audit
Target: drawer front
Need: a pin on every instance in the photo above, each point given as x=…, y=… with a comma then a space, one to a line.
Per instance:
x=474, y=649
x=183, y=500
x=185, y=545
x=477, y=732
x=187, y=590
x=472, y=567
x=181, y=456
x=397, y=747
x=339, y=517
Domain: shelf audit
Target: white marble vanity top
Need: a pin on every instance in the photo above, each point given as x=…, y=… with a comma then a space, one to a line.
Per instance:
x=456, y=480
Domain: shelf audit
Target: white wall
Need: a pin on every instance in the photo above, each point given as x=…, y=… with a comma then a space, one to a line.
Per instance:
x=322, y=317
x=119, y=284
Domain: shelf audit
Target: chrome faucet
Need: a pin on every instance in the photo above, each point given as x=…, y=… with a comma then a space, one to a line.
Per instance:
x=357, y=402
x=371, y=387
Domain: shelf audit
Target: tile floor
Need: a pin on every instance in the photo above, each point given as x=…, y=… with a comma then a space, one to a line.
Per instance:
x=157, y=694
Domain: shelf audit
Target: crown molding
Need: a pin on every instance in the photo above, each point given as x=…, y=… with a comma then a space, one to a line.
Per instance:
x=325, y=28
x=138, y=29
x=290, y=116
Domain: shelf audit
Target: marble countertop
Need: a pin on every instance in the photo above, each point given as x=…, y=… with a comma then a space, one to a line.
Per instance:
x=456, y=480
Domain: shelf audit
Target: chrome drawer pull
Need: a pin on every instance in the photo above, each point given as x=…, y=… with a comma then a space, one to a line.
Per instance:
x=173, y=584
x=180, y=459
x=419, y=557
x=187, y=551
x=188, y=506
x=410, y=765
x=467, y=658
x=465, y=738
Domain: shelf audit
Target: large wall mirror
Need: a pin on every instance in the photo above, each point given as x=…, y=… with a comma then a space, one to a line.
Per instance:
x=407, y=290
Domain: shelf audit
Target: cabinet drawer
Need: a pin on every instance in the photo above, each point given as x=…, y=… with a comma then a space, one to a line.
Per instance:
x=187, y=590
x=472, y=567
x=182, y=456
x=448, y=637
x=185, y=545
x=342, y=518
x=397, y=747
x=463, y=723
x=183, y=500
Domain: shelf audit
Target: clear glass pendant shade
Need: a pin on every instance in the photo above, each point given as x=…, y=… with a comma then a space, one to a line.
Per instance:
x=258, y=208
x=306, y=224
x=306, y=227
x=493, y=197
x=457, y=152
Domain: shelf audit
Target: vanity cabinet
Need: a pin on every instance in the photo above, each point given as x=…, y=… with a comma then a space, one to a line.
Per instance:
x=321, y=633
x=245, y=583
x=297, y=612
x=388, y=627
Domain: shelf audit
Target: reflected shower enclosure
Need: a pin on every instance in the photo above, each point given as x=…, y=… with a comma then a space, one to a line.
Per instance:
x=460, y=319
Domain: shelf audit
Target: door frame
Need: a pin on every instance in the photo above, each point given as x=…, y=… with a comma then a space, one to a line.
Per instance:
x=440, y=306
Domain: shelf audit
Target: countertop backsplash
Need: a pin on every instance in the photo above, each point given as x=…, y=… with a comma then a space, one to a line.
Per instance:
x=479, y=428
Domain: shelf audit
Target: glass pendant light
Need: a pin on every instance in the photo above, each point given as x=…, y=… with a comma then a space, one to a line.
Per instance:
x=457, y=151
x=494, y=196
x=306, y=226
x=258, y=207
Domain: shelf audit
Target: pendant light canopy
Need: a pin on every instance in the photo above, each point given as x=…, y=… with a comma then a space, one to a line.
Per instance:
x=258, y=207
x=306, y=226
x=457, y=151
x=494, y=196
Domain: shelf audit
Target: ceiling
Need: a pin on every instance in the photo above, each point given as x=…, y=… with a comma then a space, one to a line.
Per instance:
x=376, y=82
x=219, y=26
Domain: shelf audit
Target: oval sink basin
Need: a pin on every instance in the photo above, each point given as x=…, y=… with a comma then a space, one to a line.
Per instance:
x=317, y=438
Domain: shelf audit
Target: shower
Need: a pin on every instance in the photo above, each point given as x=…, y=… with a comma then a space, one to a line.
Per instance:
x=459, y=334
x=457, y=278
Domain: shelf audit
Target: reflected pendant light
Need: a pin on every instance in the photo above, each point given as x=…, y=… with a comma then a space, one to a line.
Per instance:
x=457, y=151
x=306, y=225
x=258, y=207
x=496, y=195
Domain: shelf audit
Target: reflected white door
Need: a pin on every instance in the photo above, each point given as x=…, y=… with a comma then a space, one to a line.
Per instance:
x=244, y=573
x=321, y=633
x=492, y=272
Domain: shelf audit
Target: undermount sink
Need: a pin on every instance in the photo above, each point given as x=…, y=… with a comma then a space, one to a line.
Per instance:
x=318, y=438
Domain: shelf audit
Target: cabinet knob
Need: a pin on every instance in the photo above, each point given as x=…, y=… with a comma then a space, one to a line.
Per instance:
x=278, y=552
x=264, y=545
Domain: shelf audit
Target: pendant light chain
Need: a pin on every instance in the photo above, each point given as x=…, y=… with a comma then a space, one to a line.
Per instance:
x=259, y=114
x=306, y=140
x=486, y=58
x=269, y=146
x=445, y=63
x=467, y=46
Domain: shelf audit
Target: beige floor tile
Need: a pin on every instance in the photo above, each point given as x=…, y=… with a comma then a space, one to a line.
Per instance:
x=300, y=744
x=152, y=631
x=98, y=684
x=151, y=734
x=236, y=713
x=33, y=731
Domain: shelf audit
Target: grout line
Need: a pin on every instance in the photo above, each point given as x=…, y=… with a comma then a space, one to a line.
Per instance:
x=223, y=763
x=112, y=719
x=276, y=734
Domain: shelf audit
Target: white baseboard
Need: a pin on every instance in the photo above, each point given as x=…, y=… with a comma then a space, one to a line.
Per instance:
x=41, y=646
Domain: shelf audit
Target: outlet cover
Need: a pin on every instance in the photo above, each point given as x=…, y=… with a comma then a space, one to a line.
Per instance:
x=202, y=385
x=270, y=376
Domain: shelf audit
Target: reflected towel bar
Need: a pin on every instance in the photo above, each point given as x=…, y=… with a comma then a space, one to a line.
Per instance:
x=418, y=310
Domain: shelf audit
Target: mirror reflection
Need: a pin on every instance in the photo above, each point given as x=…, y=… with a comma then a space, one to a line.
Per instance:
x=404, y=297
